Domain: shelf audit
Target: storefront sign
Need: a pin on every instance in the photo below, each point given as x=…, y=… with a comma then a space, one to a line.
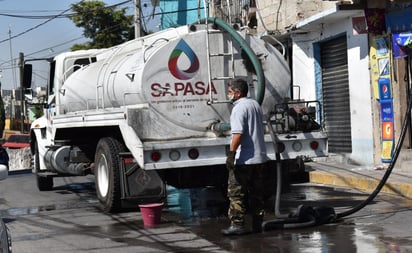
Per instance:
x=399, y=21
x=401, y=44
x=359, y=25
x=380, y=55
x=386, y=110
x=385, y=91
x=387, y=131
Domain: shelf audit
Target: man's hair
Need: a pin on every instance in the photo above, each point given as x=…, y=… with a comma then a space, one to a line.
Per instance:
x=240, y=85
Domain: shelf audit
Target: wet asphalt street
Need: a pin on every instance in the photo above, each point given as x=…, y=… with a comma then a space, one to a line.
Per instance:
x=68, y=219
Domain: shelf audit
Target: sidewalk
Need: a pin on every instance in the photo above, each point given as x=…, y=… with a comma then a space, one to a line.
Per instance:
x=361, y=178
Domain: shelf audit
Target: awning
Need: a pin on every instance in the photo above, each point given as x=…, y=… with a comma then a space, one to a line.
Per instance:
x=399, y=21
x=333, y=15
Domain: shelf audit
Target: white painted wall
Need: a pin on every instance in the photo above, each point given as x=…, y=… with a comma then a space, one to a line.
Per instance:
x=359, y=81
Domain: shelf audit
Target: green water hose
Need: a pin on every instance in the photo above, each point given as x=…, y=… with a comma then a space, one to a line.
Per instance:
x=261, y=81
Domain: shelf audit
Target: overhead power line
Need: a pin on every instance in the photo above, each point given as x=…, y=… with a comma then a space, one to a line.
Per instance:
x=53, y=16
x=34, y=27
x=7, y=63
x=58, y=45
x=49, y=18
x=34, y=17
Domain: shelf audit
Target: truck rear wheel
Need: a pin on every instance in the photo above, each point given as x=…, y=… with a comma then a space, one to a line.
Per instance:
x=44, y=183
x=107, y=174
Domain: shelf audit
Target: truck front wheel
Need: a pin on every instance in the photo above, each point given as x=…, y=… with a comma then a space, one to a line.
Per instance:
x=107, y=173
x=44, y=183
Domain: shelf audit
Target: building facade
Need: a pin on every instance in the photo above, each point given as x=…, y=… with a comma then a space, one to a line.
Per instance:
x=345, y=54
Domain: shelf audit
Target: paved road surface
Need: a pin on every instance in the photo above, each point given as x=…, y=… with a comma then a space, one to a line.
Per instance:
x=67, y=219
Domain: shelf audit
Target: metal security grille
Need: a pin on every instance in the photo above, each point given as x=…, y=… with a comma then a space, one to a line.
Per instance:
x=335, y=89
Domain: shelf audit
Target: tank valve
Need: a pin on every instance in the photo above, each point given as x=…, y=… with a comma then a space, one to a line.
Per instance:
x=220, y=127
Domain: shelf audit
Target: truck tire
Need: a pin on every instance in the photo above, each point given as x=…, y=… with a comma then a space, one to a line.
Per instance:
x=44, y=183
x=107, y=174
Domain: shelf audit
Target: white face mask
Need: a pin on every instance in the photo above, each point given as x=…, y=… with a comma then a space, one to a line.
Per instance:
x=231, y=97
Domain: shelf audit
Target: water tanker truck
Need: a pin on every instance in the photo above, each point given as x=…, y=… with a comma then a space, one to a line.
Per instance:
x=154, y=111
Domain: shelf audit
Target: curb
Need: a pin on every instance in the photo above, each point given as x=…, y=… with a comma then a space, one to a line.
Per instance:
x=367, y=184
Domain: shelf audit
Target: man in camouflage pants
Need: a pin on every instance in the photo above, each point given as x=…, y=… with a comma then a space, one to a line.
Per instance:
x=246, y=161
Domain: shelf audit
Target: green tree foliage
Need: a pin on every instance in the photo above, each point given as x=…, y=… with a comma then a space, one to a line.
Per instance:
x=104, y=25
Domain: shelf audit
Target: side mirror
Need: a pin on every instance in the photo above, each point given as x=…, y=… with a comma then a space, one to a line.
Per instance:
x=27, y=74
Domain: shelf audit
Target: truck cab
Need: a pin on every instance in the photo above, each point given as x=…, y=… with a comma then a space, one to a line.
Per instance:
x=61, y=67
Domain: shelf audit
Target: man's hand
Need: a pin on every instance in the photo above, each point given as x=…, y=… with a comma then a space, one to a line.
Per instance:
x=230, y=160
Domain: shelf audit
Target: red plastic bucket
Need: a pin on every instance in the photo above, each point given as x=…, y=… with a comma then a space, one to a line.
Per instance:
x=151, y=214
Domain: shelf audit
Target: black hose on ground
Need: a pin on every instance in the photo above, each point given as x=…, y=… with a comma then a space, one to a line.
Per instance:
x=308, y=216
x=304, y=216
x=388, y=172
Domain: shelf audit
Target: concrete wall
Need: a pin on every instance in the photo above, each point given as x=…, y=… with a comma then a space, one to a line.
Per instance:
x=20, y=159
x=359, y=81
x=279, y=15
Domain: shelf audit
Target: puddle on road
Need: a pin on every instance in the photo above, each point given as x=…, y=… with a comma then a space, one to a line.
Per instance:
x=192, y=204
x=203, y=211
x=198, y=204
x=85, y=191
x=34, y=210
x=344, y=237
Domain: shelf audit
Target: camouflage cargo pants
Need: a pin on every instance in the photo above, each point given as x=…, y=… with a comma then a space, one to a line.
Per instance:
x=248, y=188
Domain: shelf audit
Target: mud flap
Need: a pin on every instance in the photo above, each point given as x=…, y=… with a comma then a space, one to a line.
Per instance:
x=138, y=185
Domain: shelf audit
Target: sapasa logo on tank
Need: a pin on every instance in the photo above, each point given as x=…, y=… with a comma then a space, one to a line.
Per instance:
x=185, y=83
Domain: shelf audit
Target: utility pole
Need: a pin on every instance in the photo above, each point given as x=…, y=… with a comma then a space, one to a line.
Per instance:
x=137, y=18
x=2, y=114
x=12, y=60
x=21, y=66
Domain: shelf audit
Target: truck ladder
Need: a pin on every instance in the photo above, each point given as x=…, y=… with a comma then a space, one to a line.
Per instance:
x=211, y=55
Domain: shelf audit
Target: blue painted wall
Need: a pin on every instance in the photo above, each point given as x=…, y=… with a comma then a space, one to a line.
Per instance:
x=177, y=13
